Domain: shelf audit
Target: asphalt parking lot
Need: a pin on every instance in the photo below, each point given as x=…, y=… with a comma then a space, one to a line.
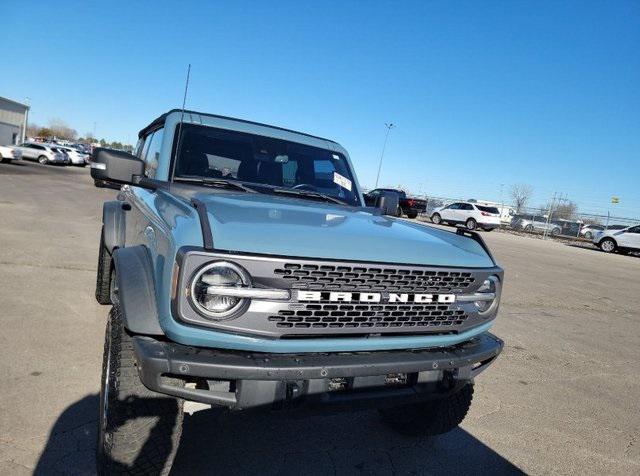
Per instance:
x=562, y=398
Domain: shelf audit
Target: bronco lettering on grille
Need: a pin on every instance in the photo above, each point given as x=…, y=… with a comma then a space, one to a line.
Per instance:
x=334, y=296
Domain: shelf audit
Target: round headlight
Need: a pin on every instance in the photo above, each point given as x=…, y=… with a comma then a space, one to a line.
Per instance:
x=491, y=288
x=220, y=274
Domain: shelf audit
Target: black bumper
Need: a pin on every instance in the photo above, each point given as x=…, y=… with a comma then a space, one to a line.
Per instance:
x=242, y=380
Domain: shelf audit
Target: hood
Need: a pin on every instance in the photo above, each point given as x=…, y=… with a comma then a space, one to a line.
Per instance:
x=273, y=225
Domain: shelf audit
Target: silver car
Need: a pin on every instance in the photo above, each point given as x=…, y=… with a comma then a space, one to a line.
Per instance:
x=43, y=153
x=75, y=156
x=535, y=223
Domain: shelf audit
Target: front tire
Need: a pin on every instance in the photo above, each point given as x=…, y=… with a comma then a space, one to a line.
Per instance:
x=607, y=245
x=436, y=219
x=588, y=235
x=429, y=418
x=471, y=224
x=528, y=228
x=412, y=215
x=139, y=429
x=43, y=160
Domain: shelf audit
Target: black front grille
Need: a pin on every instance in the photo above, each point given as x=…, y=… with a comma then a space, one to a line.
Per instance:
x=369, y=316
x=364, y=278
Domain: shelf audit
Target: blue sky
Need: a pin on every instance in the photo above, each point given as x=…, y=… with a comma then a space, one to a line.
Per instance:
x=483, y=93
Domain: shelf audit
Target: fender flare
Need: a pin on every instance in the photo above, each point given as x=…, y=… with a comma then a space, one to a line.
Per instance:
x=136, y=290
x=113, y=222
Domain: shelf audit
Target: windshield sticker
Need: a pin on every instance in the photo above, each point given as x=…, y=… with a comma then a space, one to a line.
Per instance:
x=344, y=182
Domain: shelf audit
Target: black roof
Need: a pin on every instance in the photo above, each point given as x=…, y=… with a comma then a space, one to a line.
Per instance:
x=159, y=122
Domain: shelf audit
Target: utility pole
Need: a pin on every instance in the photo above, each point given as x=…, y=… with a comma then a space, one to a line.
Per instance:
x=389, y=126
x=501, y=201
x=549, y=212
x=94, y=130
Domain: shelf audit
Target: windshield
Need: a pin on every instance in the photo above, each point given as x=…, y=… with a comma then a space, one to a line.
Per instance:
x=210, y=153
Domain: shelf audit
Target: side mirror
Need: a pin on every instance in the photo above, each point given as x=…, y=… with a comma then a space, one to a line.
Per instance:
x=115, y=166
x=388, y=203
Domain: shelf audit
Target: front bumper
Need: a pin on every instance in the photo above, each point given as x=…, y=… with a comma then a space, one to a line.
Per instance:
x=243, y=380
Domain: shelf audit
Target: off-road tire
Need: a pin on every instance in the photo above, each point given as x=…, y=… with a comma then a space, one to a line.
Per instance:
x=43, y=160
x=103, y=277
x=430, y=418
x=471, y=224
x=139, y=430
x=608, y=245
x=436, y=219
x=412, y=215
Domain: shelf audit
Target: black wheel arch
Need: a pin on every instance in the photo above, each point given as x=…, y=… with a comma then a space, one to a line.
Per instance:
x=136, y=290
x=113, y=221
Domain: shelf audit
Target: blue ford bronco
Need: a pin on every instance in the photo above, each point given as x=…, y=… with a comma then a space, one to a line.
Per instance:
x=245, y=272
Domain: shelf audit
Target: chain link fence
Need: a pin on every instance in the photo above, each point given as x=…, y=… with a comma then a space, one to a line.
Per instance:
x=552, y=221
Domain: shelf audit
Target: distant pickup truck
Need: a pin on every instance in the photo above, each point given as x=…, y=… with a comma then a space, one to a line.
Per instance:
x=408, y=206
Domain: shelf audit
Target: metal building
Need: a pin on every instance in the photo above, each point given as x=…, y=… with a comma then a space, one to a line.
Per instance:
x=13, y=121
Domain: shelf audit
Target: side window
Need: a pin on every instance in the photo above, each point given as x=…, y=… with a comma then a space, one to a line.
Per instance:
x=138, y=150
x=454, y=206
x=635, y=229
x=145, y=146
x=466, y=206
x=152, y=156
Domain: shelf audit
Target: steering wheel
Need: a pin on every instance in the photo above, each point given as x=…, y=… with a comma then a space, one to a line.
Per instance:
x=305, y=186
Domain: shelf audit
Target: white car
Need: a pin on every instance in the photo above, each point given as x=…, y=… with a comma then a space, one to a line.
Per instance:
x=76, y=157
x=9, y=153
x=622, y=241
x=471, y=215
x=43, y=153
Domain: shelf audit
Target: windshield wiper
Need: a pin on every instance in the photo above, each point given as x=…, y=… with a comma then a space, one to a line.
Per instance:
x=306, y=193
x=221, y=183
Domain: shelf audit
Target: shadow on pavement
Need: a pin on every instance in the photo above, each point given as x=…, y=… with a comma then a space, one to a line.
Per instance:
x=591, y=247
x=269, y=444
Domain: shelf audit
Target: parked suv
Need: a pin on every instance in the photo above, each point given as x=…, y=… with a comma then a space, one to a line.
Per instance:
x=535, y=223
x=471, y=215
x=623, y=241
x=588, y=231
x=43, y=153
x=246, y=273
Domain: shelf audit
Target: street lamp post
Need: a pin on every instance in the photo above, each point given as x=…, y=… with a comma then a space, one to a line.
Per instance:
x=389, y=126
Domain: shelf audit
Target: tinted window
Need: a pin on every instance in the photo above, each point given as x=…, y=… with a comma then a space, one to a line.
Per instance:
x=152, y=155
x=466, y=206
x=454, y=206
x=488, y=209
x=207, y=152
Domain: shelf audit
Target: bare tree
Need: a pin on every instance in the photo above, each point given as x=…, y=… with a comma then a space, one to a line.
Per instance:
x=62, y=130
x=32, y=129
x=565, y=209
x=521, y=194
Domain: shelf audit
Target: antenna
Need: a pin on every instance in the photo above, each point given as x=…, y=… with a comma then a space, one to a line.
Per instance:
x=184, y=101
